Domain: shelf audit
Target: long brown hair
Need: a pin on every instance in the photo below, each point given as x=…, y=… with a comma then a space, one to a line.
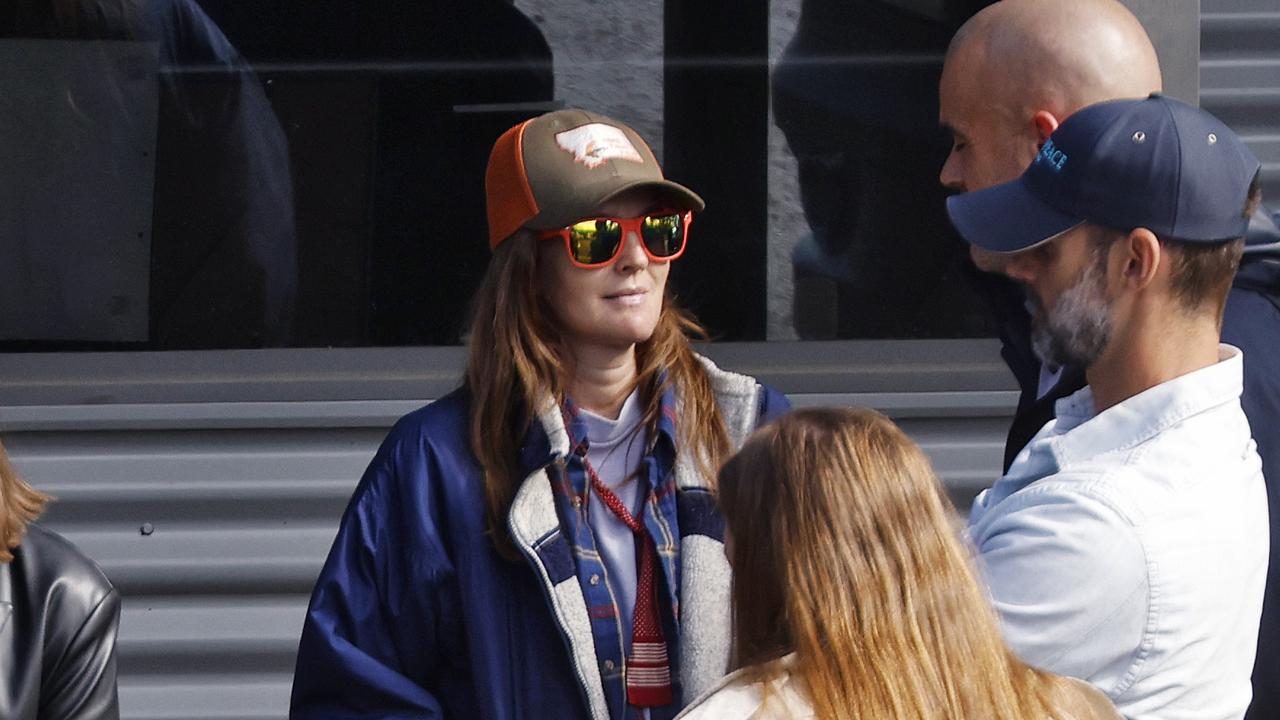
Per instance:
x=19, y=504
x=839, y=521
x=518, y=359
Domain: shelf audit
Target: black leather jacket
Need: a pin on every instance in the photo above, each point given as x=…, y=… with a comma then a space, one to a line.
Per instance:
x=58, y=620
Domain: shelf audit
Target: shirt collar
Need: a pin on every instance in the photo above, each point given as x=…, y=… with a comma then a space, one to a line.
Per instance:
x=544, y=440
x=1079, y=432
x=666, y=444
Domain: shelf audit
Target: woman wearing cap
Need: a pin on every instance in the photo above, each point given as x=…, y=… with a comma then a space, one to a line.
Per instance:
x=862, y=602
x=543, y=542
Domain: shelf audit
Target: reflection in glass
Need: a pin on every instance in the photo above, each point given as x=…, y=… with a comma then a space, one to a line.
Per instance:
x=855, y=94
x=594, y=240
x=663, y=234
x=390, y=109
x=157, y=201
x=226, y=174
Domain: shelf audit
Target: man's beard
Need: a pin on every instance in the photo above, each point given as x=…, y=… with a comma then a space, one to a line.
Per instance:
x=1078, y=328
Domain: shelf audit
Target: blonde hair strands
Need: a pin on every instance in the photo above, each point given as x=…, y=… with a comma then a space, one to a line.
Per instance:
x=20, y=504
x=856, y=568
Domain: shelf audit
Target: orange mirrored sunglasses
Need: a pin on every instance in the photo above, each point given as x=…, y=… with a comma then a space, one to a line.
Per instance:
x=597, y=242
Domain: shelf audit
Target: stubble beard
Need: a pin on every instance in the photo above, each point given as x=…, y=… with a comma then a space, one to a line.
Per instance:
x=1078, y=328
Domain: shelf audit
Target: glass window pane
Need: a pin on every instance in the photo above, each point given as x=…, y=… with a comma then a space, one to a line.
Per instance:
x=860, y=246
x=281, y=173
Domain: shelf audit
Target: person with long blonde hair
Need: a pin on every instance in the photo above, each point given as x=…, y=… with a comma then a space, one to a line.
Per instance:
x=854, y=596
x=58, y=617
x=543, y=542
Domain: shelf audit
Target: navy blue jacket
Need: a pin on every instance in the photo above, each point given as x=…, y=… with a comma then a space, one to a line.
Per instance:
x=1252, y=323
x=416, y=616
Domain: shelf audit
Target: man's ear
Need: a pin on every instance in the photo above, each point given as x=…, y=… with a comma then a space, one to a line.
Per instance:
x=1141, y=258
x=1045, y=123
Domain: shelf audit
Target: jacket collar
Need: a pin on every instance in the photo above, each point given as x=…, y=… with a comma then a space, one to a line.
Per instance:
x=545, y=440
x=1260, y=266
x=1261, y=274
x=739, y=694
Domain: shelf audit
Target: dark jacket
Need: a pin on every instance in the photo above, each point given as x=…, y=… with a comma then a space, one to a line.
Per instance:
x=415, y=615
x=1252, y=323
x=58, y=620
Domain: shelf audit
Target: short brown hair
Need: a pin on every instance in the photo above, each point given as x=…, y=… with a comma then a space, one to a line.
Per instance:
x=19, y=504
x=1202, y=272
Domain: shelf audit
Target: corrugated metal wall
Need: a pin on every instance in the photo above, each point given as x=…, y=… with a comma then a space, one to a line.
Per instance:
x=215, y=532
x=1240, y=77
x=213, y=535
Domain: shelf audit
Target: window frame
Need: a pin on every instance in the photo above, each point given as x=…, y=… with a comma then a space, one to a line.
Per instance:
x=937, y=377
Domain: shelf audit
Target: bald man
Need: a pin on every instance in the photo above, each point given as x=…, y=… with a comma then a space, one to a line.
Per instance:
x=1020, y=67
x=1013, y=73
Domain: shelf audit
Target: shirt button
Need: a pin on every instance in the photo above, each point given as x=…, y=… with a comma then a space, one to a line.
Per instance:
x=608, y=664
x=577, y=501
x=595, y=579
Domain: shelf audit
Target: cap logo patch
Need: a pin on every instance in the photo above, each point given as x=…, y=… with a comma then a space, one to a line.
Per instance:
x=595, y=144
x=1050, y=154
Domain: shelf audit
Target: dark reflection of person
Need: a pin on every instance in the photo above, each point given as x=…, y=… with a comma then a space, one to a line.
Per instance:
x=854, y=93
x=391, y=108
x=223, y=249
x=58, y=618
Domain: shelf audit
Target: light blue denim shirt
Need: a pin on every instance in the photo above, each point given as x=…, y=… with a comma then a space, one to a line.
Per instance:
x=1129, y=547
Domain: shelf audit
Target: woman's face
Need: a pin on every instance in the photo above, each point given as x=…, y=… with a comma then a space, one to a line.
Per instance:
x=613, y=307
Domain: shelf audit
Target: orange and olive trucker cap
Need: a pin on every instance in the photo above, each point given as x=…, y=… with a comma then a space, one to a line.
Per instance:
x=551, y=171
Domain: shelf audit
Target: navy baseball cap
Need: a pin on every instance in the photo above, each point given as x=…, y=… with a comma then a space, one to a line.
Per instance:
x=1155, y=163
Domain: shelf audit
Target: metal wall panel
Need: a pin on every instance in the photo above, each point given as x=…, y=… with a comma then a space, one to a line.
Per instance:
x=1171, y=25
x=1240, y=77
x=214, y=537
x=215, y=533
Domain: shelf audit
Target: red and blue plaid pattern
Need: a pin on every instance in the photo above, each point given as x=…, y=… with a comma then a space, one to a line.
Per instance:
x=648, y=672
x=657, y=485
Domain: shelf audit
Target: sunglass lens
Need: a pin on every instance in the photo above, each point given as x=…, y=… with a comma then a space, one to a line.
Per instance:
x=663, y=234
x=594, y=241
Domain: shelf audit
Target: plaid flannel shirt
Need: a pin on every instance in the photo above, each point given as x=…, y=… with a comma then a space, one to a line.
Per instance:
x=658, y=487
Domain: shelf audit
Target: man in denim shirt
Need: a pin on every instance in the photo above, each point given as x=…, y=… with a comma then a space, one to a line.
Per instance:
x=1127, y=544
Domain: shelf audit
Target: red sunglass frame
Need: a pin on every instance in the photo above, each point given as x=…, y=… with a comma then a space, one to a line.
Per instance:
x=627, y=225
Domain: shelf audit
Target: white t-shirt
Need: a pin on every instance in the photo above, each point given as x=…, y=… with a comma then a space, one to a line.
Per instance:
x=615, y=449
